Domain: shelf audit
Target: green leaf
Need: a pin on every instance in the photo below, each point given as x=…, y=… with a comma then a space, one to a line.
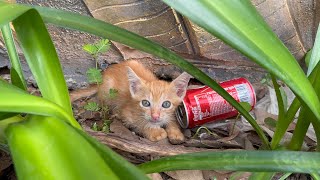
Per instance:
x=47, y=148
x=17, y=77
x=100, y=28
x=5, y=115
x=119, y=165
x=315, y=176
x=39, y=52
x=246, y=106
x=106, y=126
x=94, y=76
x=238, y=24
x=284, y=98
x=92, y=106
x=293, y=108
x=261, y=175
x=248, y=161
x=15, y=100
x=270, y=122
x=280, y=101
x=284, y=177
x=315, y=55
x=4, y=124
x=99, y=47
x=91, y=49
x=306, y=115
x=236, y=175
x=301, y=129
x=103, y=46
x=113, y=93
x=95, y=126
x=307, y=57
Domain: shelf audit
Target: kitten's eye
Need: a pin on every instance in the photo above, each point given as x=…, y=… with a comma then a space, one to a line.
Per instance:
x=166, y=104
x=145, y=103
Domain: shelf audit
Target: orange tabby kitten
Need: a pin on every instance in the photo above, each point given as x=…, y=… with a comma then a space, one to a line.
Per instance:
x=144, y=102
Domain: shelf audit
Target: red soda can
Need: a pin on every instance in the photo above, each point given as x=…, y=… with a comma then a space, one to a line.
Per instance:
x=202, y=105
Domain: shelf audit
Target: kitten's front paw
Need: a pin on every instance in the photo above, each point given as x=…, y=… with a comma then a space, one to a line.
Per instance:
x=175, y=136
x=156, y=134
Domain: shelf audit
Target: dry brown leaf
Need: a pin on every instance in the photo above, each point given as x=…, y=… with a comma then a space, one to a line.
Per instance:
x=186, y=175
x=234, y=131
x=155, y=176
x=218, y=175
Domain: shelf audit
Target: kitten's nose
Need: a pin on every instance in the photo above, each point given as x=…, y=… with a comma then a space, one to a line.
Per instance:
x=155, y=117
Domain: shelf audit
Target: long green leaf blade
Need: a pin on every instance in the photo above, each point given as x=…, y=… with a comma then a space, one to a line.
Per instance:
x=4, y=124
x=49, y=149
x=283, y=125
x=238, y=24
x=17, y=76
x=306, y=115
x=39, y=51
x=261, y=175
x=300, y=130
x=117, y=164
x=315, y=54
x=16, y=100
x=248, y=161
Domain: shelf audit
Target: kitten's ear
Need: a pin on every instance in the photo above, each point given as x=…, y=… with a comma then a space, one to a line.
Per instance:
x=135, y=82
x=181, y=83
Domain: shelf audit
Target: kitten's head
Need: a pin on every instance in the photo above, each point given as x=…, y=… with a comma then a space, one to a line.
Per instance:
x=157, y=99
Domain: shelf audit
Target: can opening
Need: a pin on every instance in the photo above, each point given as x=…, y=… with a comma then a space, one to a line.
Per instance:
x=181, y=116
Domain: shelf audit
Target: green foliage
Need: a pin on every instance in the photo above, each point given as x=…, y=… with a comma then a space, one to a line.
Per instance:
x=307, y=57
x=235, y=22
x=94, y=76
x=95, y=126
x=113, y=93
x=256, y=161
x=105, y=127
x=61, y=160
x=97, y=48
x=92, y=106
x=94, y=50
x=314, y=58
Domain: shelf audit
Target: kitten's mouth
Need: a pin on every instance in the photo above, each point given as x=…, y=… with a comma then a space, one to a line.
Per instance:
x=158, y=122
